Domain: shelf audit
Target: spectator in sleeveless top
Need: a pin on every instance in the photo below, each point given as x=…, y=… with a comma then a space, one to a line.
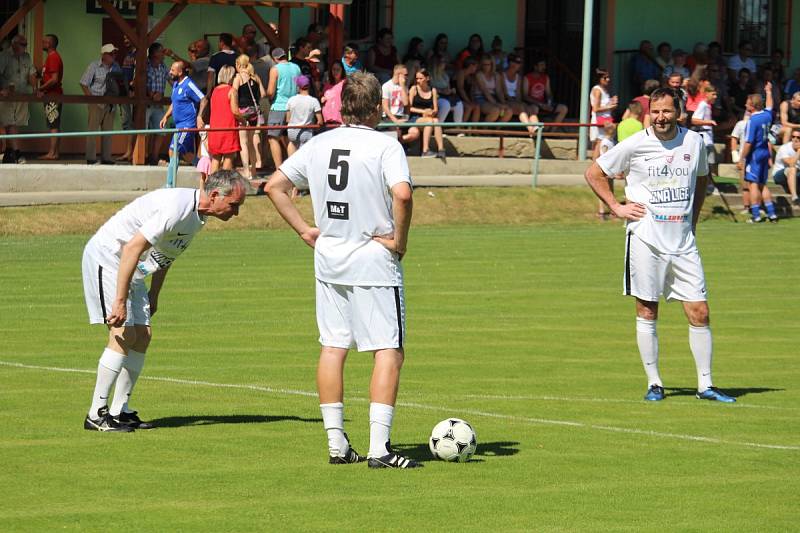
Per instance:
x=792, y=85
x=223, y=145
x=488, y=92
x=281, y=88
x=424, y=109
x=790, y=116
x=332, y=94
x=465, y=88
x=395, y=103
x=249, y=89
x=602, y=105
x=512, y=89
x=448, y=98
x=497, y=54
x=382, y=56
x=474, y=50
x=537, y=91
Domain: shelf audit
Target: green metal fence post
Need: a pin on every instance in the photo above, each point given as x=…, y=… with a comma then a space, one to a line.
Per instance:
x=172, y=170
x=537, y=156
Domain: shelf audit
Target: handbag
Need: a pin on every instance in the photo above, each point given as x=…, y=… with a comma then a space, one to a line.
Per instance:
x=252, y=113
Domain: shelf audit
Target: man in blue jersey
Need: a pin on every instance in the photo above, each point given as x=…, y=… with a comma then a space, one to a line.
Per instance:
x=755, y=158
x=186, y=97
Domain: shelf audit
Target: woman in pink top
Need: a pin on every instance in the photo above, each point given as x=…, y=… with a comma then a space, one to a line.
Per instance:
x=332, y=94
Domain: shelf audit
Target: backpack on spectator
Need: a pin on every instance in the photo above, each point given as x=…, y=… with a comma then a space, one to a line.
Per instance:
x=115, y=84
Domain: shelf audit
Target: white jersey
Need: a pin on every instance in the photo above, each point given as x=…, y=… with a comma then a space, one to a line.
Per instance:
x=349, y=171
x=784, y=152
x=167, y=218
x=703, y=112
x=662, y=176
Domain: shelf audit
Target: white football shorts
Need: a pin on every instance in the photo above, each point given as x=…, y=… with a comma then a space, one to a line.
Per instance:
x=369, y=318
x=650, y=274
x=100, y=287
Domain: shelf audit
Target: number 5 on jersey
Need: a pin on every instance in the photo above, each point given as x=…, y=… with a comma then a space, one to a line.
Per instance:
x=338, y=210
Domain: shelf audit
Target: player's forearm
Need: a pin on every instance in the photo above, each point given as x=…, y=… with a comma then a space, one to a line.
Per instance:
x=401, y=210
x=157, y=282
x=279, y=192
x=598, y=181
x=127, y=265
x=699, y=199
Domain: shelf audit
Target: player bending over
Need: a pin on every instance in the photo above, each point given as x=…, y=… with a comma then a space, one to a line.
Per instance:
x=667, y=171
x=142, y=238
x=360, y=238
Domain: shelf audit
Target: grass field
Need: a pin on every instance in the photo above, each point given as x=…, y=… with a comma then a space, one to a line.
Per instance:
x=518, y=329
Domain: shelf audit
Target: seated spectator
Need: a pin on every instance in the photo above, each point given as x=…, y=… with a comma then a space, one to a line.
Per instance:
x=448, y=97
x=789, y=116
x=721, y=110
x=281, y=87
x=414, y=52
x=741, y=60
x=767, y=80
x=775, y=64
x=18, y=75
x=632, y=122
x=350, y=60
x=423, y=109
x=394, y=103
x=513, y=90
x=465, y=88
x=678, y=65
x=793, y=85
x=644, y=101
x=698, y=58
x=784, y=172
x=488, y=92
x=332, y=94
x=249, y=91
x=602, y=105
x=537, y=91
x=497, y=54
x=302, y=110
x=439, y=48
x=739, y=91
x=664, y=55
x=643, y=65
x=382, y=56
x=695, y=93
x=223, y=146
x=474, y=50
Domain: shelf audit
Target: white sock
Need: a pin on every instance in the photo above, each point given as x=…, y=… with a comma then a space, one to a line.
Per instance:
x=702, y=346
x=647, y=339
x=132, y=366
x=333, y=420
x=107, y=371
x=380, y=425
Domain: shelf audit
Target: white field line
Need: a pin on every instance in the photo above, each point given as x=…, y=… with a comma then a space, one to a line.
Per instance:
x=522, y=419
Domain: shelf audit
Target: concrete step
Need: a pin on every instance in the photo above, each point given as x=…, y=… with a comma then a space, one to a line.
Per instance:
x=491, y=165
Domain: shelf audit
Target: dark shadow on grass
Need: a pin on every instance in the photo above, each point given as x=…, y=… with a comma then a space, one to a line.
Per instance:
x=736, y=393
x=207, y=420
x=422, y=453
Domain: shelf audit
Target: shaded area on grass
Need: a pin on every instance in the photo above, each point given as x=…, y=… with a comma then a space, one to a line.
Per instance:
x=736, y=393
x=422, y=452
x=207, y=420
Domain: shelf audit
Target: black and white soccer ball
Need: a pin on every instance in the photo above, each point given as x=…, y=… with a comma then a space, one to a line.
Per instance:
x=453, y=439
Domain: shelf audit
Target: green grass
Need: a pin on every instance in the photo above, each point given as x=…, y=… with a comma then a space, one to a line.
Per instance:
x=519, y=330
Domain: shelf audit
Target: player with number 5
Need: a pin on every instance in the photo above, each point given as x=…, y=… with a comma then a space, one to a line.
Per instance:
x=362, y=198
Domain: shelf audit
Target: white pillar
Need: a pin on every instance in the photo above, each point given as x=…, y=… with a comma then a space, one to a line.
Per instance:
x=586, y=81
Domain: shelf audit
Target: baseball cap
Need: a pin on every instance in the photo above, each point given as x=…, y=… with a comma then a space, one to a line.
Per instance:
x=302, y=81
x=278, y=53
x=108, y=49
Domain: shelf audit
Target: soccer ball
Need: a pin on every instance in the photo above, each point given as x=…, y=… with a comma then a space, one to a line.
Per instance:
x=453, y=440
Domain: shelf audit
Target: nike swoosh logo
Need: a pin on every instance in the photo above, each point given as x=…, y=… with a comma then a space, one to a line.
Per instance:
x=654, y=157
x=707, y=374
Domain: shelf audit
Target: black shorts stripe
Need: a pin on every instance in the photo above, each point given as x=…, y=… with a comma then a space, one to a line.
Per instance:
x=628, y=266
x=100, y=285
x=399, y=317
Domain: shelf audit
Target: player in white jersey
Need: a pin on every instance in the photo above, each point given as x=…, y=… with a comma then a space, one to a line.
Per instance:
x=361, y=192
x=666, y=171
x=141, y=239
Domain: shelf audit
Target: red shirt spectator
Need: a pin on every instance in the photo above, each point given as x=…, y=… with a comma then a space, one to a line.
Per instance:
x=53, y=68
x=537, y=86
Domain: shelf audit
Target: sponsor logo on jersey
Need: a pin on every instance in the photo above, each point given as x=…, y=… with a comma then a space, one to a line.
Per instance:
x=687, y=157
x=666, y=171
x=668, y=196
x=671, y=218
x=339, y=210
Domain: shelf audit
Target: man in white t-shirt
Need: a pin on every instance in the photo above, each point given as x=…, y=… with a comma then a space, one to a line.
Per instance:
x=361, y=193
x=784, y=171
x=666, y=170
x=741, y=60
x=394, y=101
x=703, y=120
x=141, y=239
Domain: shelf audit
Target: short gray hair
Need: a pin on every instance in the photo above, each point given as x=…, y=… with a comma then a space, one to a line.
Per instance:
x=224, y=181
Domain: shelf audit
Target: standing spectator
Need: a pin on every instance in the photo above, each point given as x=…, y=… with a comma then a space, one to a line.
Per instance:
x=474, y=50
x=249, y=33
x=126, y=110
x=741, y=60
x=603, y=104
x=537, y=91
x=790, y=116
x=792, y=85
x=281, y=87
x=465, y=88
x=606, y=143
x=676, y=83
x=186, y=97
x=225, y=56
x=332, y=94
x=101, y=116
x=199, y=62
x=488, y=94
x=632, y=121
x=513, y=91
x=157, y=77
x=448, y=98
x=249, y=90
x=754, y=158
x=17, y=75
x=395, y=102
x=223, y=145
x=424, y=108
x=678, y=65
x=664, y=54
x=497, y=54
x=350, y=60
x=784, y=171
x=301, y=58
x=261, y=67
x=644, y=66
x=52, y=77
x=703, y=121
x=382, y=56
x=302, y=109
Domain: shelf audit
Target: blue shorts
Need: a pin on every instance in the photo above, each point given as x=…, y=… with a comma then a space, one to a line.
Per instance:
x=756, y=168
x=185, y=141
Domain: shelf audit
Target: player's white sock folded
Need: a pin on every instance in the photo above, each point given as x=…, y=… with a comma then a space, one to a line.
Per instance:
x=702, y=347
x=107, y=371
x=333, y=421
x=647, y=339
x=380, y=426
x=132, y=365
